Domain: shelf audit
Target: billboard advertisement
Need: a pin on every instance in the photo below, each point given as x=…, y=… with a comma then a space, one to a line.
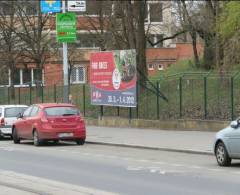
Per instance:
x=113, y=78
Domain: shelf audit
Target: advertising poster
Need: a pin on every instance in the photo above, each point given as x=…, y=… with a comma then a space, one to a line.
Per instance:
x=113, y=78
x=66, y=27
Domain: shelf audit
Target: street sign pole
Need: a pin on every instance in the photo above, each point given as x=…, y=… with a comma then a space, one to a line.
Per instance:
x=65, y=65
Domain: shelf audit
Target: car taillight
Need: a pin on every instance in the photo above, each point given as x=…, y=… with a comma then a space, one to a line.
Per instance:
x=2, y=122
x=79, y=118
x=44, y=119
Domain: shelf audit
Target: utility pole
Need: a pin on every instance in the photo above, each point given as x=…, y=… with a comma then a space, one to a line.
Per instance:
x=65, y=64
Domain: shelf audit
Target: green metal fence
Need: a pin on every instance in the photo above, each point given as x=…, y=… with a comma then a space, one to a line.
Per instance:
x=190, y=96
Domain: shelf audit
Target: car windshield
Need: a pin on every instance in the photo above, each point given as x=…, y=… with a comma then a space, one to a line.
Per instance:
x=14, y=111
x=61, y=111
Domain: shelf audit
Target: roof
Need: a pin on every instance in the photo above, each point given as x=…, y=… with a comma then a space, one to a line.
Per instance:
x=161, y=54
x=45, y=105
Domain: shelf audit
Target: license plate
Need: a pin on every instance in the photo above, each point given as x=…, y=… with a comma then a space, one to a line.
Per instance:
x=65, y=135
x=6, y=130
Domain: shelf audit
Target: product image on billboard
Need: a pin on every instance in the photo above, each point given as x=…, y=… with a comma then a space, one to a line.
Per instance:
x=113, y=78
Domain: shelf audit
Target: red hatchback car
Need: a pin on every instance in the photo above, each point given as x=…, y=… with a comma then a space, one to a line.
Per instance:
x=50, y=122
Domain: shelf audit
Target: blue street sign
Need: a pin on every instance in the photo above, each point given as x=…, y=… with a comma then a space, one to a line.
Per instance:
x=50, y=6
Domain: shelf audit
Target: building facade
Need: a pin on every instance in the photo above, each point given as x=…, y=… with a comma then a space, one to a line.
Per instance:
x=158, y=24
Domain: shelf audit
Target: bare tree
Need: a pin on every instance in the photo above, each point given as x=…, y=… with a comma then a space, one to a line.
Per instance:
x=121, y=25
x=34, y=32
x=10, y=50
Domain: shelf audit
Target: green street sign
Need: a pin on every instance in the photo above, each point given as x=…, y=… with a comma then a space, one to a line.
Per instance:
x=66, y=27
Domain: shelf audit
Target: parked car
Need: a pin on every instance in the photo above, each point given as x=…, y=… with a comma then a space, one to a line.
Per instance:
x=8, y=115
x=227, y=144
x=50, y=122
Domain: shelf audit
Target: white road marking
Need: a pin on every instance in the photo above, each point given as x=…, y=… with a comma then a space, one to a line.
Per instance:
x=177, y=165
x=135, y=168
x=195, y=167
x=216, y=170
x=237, y=172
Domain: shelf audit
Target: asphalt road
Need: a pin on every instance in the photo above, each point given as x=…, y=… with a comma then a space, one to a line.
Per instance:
x=122, y=170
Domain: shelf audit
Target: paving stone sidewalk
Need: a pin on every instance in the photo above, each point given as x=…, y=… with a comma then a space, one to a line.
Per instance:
x=182, y=141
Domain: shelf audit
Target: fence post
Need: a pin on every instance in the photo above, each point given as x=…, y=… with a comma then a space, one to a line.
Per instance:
x=19, y=98
x=118, y=111
x=101, y=112
x=8, y=90
x=84, y=111
x=55, y=93
x=232, y=98
x=158, y=100
x=205, y=97
x=180, y=97
x=137, y=98
x=130, y=114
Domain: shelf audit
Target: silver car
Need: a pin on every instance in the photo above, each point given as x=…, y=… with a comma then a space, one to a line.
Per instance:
x=227, y=144
x=8, y=115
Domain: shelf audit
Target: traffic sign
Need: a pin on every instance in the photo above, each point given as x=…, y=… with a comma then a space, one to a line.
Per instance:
x=50, y=6
x=77, y=5
x=66, y=27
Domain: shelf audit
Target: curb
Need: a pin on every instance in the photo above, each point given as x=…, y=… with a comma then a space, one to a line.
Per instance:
x=188, y=151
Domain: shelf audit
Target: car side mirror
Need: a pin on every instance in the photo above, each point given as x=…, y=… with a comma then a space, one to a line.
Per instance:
x=20, y=115
x=234, y=124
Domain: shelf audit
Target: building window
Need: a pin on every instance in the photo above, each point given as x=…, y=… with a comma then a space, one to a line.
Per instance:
x=4, y=80
x=153, y=41
x=150, y=67
x=155, y=12
x=31, y=9
x=94, y=7
x=160, y=66
x=78, y=74
x=27, y=76
x=86, y=41
x=6, y=8
x=16, y=77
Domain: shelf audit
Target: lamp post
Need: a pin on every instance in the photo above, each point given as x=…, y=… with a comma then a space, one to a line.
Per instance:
x=65, y=64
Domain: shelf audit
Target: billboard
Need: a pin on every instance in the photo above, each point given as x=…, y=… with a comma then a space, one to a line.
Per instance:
x=113, y=78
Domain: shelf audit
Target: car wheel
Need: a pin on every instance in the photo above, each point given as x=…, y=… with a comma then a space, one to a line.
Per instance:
x=222, y=156
x=16, y=139
x=55, y=141
x=36, y=140
x=80, y=141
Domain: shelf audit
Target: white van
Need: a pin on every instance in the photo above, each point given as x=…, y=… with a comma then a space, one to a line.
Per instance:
x=8, y=115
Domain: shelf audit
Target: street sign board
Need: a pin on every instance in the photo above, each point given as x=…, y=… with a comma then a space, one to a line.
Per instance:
x=50, y=6
x=113, y=78
x=66, y=27
x=77, y=5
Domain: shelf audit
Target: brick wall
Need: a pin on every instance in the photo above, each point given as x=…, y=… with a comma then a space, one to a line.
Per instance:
x=185, y=50
x=53, y=74
x=168, y=56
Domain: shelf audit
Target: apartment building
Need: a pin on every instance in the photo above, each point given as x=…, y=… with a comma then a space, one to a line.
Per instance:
x=158, y=24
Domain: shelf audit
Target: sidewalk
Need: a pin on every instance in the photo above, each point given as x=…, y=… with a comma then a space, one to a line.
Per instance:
x=180, y=141
x=12, y=183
